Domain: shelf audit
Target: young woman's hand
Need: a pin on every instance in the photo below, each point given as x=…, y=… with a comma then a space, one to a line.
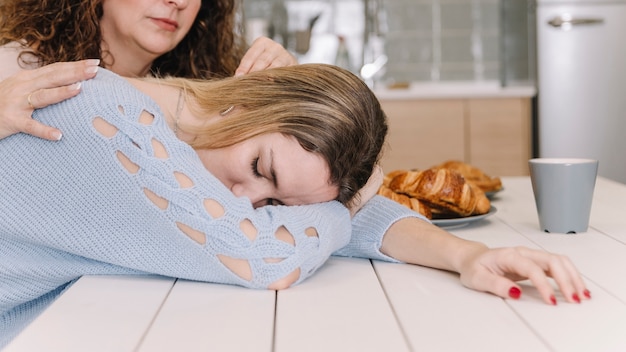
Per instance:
x=265, y=53
x=415, y=241
x=28, y=90
x=497, y=270
x=368, y=191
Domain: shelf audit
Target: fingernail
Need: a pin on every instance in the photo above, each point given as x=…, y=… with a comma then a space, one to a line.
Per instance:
x=576, y=298
x=515, y=292
x=587, y=293
x=57, y=135
x=93, y=62
x=75, y=86
x=553, y=300
x=92, y=69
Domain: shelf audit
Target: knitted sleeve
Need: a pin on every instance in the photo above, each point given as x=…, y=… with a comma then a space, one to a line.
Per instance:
x=120, y=194
x=369, y=226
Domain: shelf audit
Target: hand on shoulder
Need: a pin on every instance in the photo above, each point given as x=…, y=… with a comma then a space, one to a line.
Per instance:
x=28, y=90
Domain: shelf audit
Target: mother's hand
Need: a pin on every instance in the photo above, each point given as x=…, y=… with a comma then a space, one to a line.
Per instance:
x=496, y=270
x=265, y=53
x=28, y=90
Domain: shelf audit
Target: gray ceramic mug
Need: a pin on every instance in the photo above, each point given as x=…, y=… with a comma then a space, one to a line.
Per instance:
x=563, y=189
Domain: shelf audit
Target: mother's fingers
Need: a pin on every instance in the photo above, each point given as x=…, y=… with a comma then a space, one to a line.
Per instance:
x=265, y=53
x=38, y=129
x=27, y=90
x=60, y=74
x=44, y=97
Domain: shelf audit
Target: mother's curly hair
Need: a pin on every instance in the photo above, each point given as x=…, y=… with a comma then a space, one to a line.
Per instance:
x=69, y=30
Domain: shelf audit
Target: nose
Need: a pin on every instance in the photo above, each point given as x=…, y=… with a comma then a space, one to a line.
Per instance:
x=179, y=3
x=255, y=193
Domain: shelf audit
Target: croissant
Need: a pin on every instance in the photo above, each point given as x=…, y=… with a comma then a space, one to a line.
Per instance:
x=389, y=176
x=411, y=203
x=473, y=175
x=445, y=191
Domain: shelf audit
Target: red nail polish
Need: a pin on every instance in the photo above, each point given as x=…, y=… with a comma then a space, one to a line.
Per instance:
x=515, y=292
x=553, y=300
x=587, y=293
x=576, y=298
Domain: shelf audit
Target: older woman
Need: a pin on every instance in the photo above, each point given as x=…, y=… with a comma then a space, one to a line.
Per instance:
x=134, y=38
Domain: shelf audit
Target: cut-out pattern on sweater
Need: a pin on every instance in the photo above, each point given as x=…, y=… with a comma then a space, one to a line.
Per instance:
x=63, y=233
x=240, y=267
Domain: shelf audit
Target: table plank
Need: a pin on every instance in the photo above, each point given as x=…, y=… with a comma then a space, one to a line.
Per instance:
x=438, y=314
x=340, y=308
x=210, y=317
x=98, y=313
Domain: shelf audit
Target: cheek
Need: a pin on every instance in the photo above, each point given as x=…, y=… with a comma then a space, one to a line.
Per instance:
x=220, y=165
x=192, y=10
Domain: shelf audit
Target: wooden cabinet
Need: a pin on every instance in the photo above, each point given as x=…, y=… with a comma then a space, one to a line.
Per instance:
x=492, y=134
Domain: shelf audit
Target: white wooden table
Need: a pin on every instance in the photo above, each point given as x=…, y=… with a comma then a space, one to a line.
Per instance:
x=359, y=305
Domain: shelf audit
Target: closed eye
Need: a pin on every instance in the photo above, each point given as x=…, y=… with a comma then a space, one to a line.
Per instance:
x=255, y=167
x=272, y=201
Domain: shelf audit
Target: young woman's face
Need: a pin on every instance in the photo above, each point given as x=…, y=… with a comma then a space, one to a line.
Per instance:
x=146, y=29
x=271, y=169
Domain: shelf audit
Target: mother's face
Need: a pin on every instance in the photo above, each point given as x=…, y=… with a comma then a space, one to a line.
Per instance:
x=146, y=29
x=271, y=169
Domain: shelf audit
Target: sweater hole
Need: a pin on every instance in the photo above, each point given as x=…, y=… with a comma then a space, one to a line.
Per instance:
x=192, y=233
x=286, y=281
x=103, y=127
x=311, y=232
x=125, y=161
x=183, y=180
x=284, y=235
x=146, y=118
x=273, y=260
x=248, y=229
x=160, y=202
x=120, y=108
x=239, y=267
x=213, y=208
x=159, y=149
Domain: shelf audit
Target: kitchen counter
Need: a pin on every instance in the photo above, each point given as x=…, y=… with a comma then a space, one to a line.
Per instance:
x=454, y=90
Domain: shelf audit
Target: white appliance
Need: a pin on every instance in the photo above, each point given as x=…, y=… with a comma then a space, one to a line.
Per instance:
x=581, y=73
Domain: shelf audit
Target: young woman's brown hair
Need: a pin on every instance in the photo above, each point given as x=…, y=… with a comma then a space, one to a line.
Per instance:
x=329, y=111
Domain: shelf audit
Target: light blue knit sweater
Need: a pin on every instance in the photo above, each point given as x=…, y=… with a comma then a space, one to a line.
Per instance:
x=69, y=208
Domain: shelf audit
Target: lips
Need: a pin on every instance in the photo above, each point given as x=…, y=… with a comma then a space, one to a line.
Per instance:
x=166, y=23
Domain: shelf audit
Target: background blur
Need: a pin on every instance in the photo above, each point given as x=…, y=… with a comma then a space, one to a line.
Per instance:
x=423, y=40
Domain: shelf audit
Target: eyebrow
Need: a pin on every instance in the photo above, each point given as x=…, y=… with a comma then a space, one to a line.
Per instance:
x=272, y=171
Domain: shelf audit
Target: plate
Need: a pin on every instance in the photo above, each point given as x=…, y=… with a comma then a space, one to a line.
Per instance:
x=492, y=194
x=460, y=222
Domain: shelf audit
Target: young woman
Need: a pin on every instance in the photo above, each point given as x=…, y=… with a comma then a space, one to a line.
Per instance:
x=122, y=194
x=134, y=38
